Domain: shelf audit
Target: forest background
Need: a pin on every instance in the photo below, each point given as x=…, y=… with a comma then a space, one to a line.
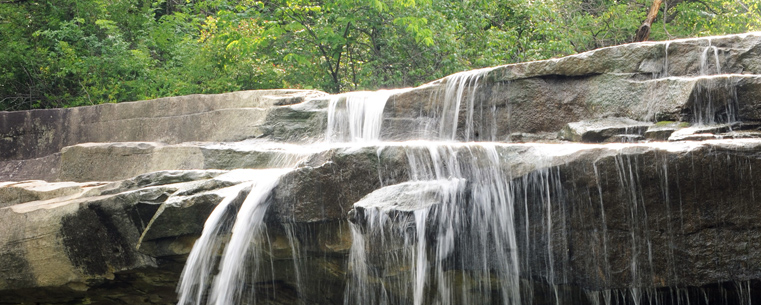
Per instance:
x=68, y=53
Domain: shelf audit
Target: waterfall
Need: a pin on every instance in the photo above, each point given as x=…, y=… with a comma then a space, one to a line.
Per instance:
x=238, y=255
x=704, y=59
x=715, y=101
x=665, y=72
x=466, y=220
x=238, y=261
x=460, y=213
x=357, y=116
x=460, y=93
x=198, y=268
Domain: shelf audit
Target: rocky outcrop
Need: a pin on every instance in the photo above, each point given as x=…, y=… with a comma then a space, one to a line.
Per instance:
x=103, y=204
x=222, y=117
x=664, y=81
x=738, y=54
x=646, y=216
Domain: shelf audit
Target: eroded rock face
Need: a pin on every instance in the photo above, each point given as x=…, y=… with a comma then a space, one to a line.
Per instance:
x=102, y=236
x=603, y=218
x=103, y=204
x=646, y=217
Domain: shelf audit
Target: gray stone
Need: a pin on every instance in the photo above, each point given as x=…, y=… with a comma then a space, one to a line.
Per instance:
x=522, y=137
x=122, y=160
x=625, y=138
x=737, y=54
x=650, y=218
x=405, y=197
x=600, y=130
x=69, y=239
x=547, y=104
x=741, y=134
x=702, y=132
x=662, y=130
x=223, y=117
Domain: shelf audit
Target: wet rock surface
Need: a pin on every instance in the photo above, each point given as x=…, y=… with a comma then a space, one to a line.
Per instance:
x=601, y=130
x=646, y=217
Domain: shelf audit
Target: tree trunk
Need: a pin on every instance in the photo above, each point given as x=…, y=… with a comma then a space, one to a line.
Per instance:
x=643, y=33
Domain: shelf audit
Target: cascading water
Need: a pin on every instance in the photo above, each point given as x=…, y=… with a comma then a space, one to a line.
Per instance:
x=704, y=64
x=458, y=217
x=357, y=116
x=201, y=260
x=461, y=91
x=467, y=224
x=665, y=72
x=715, y=100
x=245, y=234
x=238, y=261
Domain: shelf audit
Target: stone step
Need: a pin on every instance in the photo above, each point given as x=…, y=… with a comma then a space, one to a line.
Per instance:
x=540, y=105
x=736, y=54
x=220, y=117
x=116, y=161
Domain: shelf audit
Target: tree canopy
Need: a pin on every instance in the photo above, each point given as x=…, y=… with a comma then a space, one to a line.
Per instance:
x=80, y=52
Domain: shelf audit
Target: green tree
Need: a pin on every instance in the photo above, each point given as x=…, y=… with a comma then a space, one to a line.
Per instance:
x=69, y=53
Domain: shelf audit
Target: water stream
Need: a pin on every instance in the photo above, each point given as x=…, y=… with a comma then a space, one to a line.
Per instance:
x=468, y=227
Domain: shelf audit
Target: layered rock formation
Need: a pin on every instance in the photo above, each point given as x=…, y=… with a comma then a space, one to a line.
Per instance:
x=104, y=204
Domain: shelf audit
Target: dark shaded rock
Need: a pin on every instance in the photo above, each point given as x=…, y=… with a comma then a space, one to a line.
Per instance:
x=332, y=181
x=93, y=242
x=625, y=138
x=646, y=218
x=661, y=131
x=600, y=130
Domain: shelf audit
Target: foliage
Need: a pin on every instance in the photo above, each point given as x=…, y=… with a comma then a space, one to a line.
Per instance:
x=70, y=53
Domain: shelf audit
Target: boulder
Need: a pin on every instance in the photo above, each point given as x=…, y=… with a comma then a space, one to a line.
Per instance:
x=737, y=54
